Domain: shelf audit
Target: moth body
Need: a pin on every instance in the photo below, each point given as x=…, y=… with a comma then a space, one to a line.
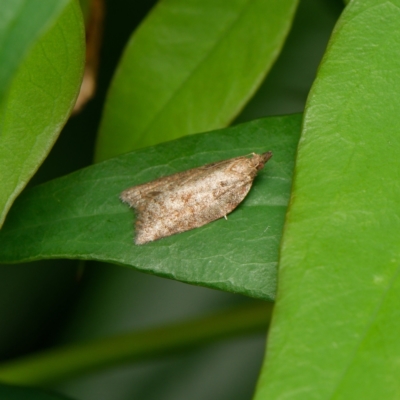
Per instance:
x=192, y=198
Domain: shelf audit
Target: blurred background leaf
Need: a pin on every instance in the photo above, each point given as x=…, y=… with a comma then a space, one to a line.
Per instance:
x=190, y=67
x=60, y=363
x=10, y=392
x=40, y=92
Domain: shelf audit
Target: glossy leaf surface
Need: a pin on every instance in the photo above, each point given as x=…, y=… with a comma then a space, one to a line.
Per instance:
x=81, y=216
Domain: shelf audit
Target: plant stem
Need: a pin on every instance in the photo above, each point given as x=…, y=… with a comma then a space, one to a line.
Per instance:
x=64, y=362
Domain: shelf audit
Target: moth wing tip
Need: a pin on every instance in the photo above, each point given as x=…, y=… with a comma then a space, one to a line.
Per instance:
x=140, y=239
x=127, y=197
x=123, y=196
x=138, y=242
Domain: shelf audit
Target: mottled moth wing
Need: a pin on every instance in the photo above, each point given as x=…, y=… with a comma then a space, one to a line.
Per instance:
x=192, y=198
x=139, y=194
x=165, y=183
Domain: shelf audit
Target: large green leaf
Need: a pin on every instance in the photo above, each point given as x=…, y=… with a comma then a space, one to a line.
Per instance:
x=335, y=326
x=81, y=216
x=190, y=67
x=21, y=25
x=41, y=92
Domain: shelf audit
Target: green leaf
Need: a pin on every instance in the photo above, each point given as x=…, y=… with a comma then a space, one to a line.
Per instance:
x=81, y=216
x=335, y=327
x=40, y=97
x=190, y=67
x=9, y=392
x=22, y=23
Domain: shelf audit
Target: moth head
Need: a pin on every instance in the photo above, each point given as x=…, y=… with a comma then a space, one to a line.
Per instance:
x=260, y=160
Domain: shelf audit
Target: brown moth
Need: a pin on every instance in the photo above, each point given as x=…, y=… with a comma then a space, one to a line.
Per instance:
x=192, y=198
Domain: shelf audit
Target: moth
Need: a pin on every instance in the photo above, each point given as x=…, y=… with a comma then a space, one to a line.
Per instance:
x=190, y=199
